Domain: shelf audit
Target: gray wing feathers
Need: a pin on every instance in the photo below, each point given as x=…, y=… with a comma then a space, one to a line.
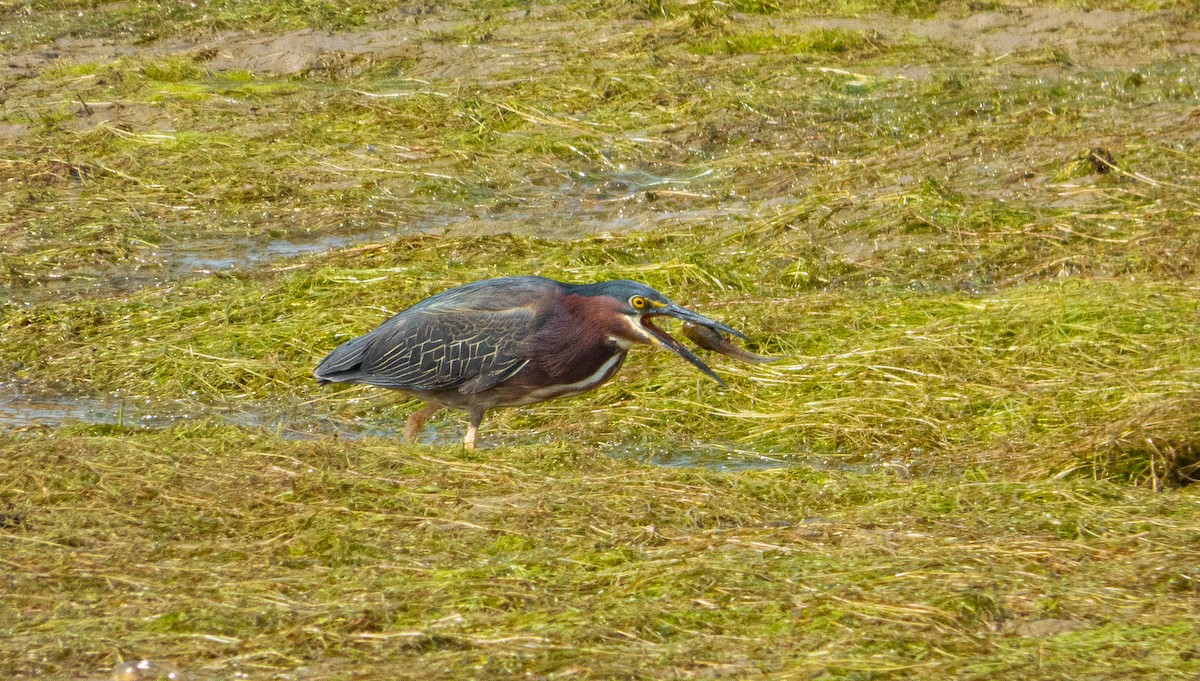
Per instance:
x=436, y=347
x=345, y=358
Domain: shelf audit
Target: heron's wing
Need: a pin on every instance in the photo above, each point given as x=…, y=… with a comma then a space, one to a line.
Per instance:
x=438, y=345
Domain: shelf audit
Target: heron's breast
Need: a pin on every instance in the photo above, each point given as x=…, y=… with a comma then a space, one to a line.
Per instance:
x=561, y=388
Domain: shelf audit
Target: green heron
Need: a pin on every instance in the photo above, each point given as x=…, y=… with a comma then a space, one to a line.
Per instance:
x=509, y=342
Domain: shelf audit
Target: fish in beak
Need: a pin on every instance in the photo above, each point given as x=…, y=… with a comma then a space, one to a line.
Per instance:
x=710, y=339
x=664, y=339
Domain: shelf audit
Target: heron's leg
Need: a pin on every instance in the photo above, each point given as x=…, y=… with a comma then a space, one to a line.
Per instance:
x=476, y=419
x=416, y=420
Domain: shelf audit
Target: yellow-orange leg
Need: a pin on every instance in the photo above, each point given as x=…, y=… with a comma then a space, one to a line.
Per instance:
x=417, y=419
x=473, y=429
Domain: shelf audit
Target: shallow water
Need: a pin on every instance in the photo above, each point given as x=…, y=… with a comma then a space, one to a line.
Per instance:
x=292, y=422
x=585, y=202
x=17, y=413
x=730, y=459
x=297, y=421
x=216, y=255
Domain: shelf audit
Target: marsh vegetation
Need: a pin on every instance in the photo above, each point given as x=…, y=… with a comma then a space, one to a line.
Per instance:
x=970, y=231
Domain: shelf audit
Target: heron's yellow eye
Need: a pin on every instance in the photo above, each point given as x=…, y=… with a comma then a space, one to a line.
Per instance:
x=638, y=303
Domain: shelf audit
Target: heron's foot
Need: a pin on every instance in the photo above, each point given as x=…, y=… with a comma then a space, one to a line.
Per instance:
x=417, y=419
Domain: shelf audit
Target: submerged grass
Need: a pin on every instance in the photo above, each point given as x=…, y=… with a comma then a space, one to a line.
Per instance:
x=978, y=269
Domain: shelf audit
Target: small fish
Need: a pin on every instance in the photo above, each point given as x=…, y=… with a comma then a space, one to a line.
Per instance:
x=711, y=339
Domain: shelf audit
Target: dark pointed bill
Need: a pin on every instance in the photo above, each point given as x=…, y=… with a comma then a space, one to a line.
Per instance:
x=678, y=348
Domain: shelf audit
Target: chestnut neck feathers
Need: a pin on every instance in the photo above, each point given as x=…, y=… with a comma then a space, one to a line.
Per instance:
x=581, y=337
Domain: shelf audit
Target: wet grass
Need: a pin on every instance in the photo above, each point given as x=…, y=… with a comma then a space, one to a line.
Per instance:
x=238, y=553
x=151, y=154
x=143, y=21
x=1023, y=377
x=978, y=270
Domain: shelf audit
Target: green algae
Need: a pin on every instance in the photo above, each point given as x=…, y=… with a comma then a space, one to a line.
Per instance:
x=978, y=270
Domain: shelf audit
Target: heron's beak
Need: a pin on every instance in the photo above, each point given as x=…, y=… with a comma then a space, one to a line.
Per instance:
x=663, y=339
